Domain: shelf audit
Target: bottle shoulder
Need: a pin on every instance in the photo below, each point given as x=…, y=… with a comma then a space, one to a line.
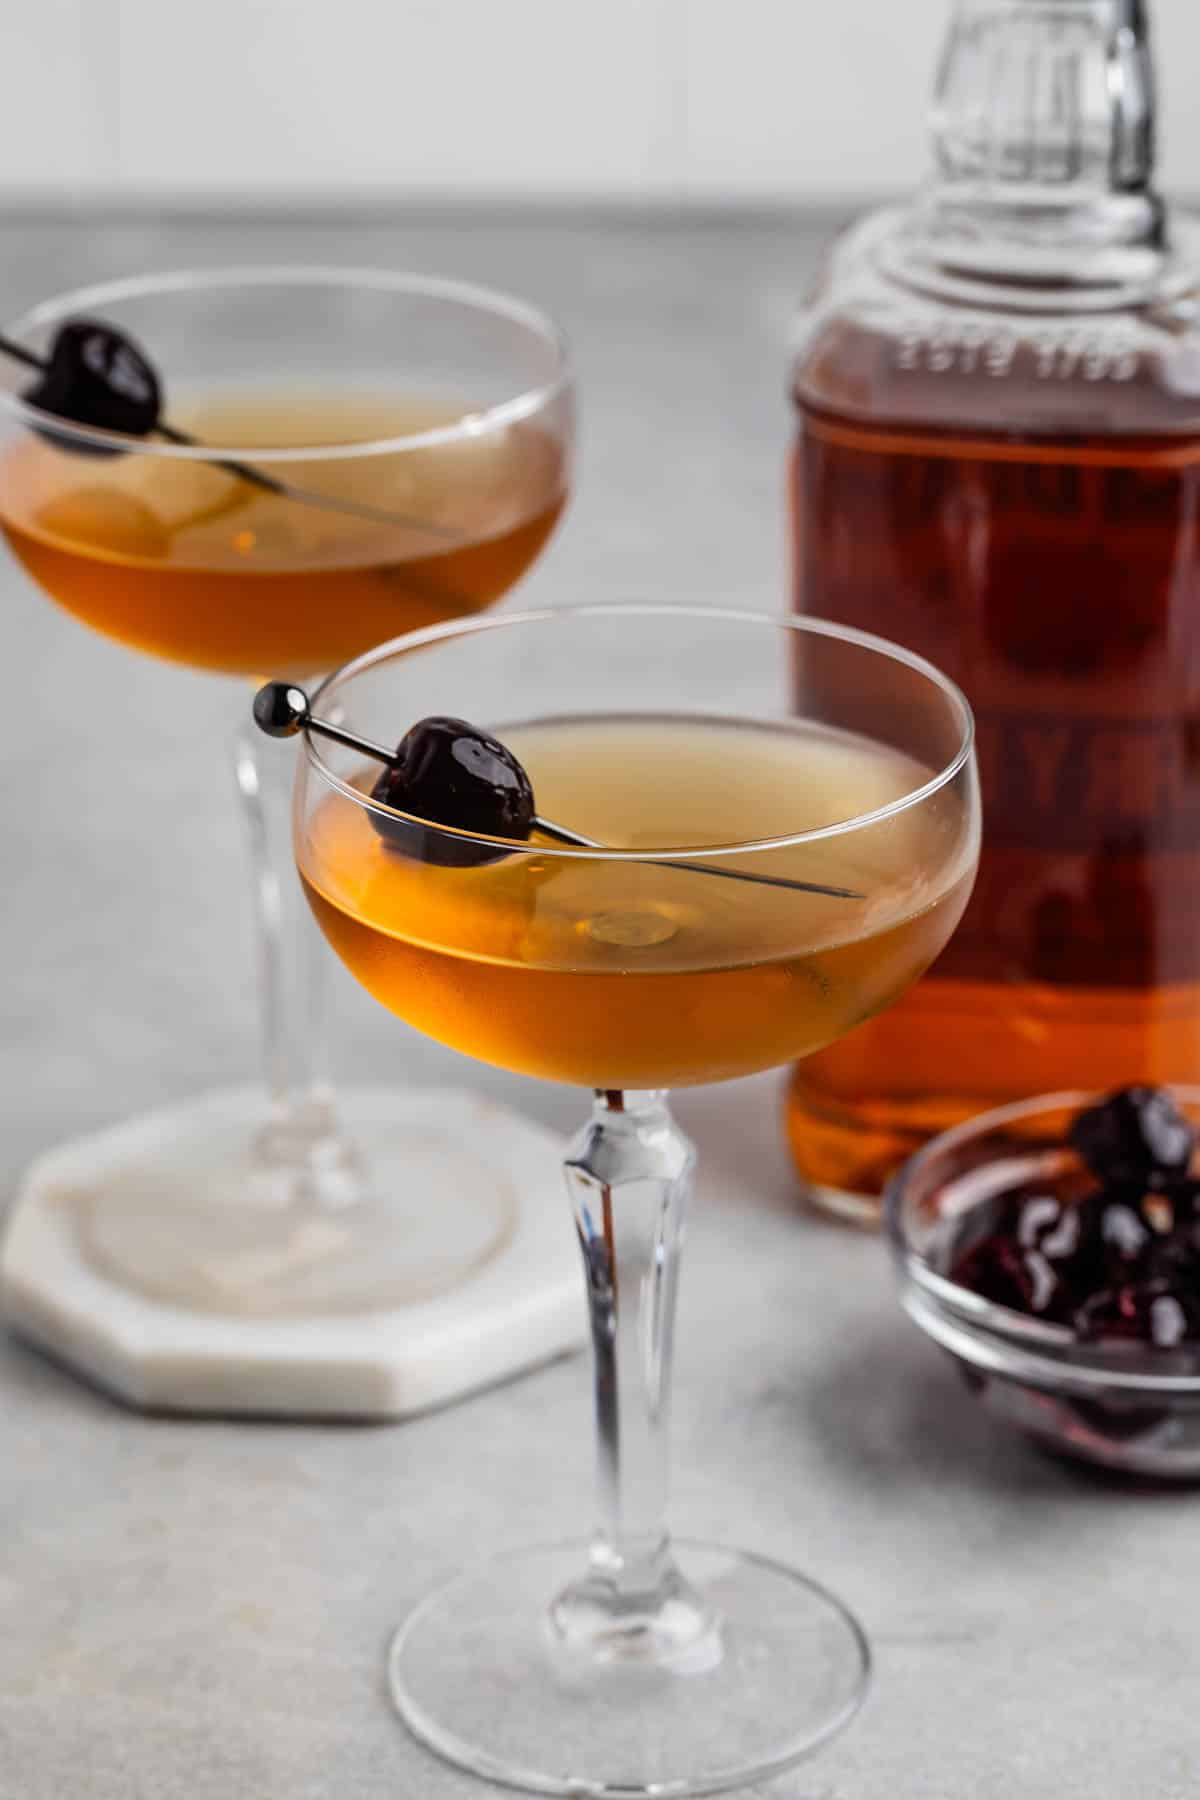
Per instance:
x=891, y=334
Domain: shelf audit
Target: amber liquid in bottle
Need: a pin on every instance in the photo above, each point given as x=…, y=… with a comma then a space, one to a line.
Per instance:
x=997, y=464
x=1058, y=580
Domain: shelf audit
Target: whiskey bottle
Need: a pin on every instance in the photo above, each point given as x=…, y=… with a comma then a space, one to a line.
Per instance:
x=997, y=463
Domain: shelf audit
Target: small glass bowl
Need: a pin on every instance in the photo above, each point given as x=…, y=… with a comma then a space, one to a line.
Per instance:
x=1127, y=1407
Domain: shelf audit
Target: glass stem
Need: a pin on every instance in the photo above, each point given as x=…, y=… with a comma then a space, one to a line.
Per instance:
x=629, y=1176
x=300, y=1137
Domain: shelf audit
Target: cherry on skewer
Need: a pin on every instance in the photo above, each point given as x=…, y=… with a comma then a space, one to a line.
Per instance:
x=449, y=773
x=98, y=377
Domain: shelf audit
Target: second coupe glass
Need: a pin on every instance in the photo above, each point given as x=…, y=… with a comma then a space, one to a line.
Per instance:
x=369, y=452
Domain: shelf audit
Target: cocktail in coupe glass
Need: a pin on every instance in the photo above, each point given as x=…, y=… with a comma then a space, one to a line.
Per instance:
x=768, y=880
x=344, y=455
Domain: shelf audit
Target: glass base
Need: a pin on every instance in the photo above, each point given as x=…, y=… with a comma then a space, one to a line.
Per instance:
x=210, y=1213
x=753, y=1669
x=275, y=1333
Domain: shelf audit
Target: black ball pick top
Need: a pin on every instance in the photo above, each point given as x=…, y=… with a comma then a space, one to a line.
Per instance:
x=97, y=376
x=280, y=709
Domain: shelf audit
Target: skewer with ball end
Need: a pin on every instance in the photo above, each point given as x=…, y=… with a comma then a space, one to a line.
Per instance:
x=491, y=794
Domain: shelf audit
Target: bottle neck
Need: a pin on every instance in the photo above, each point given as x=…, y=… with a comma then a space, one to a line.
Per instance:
x=1044, y=139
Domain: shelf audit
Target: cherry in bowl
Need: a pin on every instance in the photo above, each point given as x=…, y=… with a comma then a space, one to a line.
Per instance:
x=1052, y=1248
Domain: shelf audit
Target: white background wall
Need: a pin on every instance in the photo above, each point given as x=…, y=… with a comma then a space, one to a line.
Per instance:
x=296, y=100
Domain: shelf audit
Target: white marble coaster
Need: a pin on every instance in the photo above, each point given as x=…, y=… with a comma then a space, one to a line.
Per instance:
x=483, y=1258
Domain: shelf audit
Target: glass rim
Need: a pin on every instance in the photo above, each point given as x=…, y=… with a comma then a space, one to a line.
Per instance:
x=799, y=624
x=524, y=405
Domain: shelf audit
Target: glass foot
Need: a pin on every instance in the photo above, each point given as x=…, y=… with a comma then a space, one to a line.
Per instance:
x=197, y=1208
x=377, y=1312
x=770, y=1668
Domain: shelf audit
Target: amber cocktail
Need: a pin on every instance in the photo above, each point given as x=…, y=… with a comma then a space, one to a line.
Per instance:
x=191, y=561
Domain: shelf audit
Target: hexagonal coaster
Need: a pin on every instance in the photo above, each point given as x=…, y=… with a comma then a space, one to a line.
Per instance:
x=147, y=1258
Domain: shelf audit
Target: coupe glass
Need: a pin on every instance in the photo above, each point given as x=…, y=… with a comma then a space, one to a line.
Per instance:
x=380, y=451
x=773, y=872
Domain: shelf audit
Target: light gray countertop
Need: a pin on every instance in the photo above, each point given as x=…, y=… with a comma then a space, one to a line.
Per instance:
x=199, y=1611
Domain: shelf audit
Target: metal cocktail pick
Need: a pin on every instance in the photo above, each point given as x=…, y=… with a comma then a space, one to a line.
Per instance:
x=138, y=383
x=282, y=710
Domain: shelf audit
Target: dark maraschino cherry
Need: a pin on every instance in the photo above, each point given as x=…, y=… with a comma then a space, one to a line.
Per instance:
x=1138, y=1135
x=444, y=772
x=450, y=773
x=1148, y=1312
x=1121, y=1262
x=1001, y=1271
x=98, y=377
